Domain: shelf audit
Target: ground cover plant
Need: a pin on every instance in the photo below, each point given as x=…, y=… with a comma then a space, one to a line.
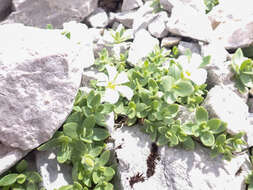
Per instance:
x=150, y=94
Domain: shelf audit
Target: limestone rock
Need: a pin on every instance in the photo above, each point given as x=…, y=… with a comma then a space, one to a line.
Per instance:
x=188, y=24
x=227, y=11
x=175, y=168
x=196, y=170
x=40, y=74
x=9, y=156
x=157, y=27
x=5, y=8
x=225, y=104
x=98, y=19
x=143, y=44
x=125, y=17
x=169, y=42
x=235, y=34
x=54, y=175
x=193, y=47
x=131, y=4
x=55, y=12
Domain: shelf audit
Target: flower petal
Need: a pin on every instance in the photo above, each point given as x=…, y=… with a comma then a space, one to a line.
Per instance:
x=125, y=91
x=102, y=83
x=198, y=76
x=112, y=72
x=121, y=78
x=111, y=96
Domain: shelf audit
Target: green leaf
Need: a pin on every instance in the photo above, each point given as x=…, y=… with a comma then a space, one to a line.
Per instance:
x=237, y=57
x=8, y=179
x=21, y=166
x=96, y=151
x=104, y=158
x=162, y=140
x=188, y=128
x=108, y=108
x=188, y=144
x=247, y=80
x=172, y=109
x=206, y=61
x=70, y=129
x=66, y=187
x=201, y=115
x=63, y=155
x=183, y=88
x=96, y=177
x=207, y=138
x=152, y=85
x=170, y=97
x=108, y=186
x=48, y=145
x=222, y=128
x=213, y=125
x=33, y=177
x=220, y=140
x=167, y=83
x=250, y=187
x=77, y=186
x=21, y=178
x=100, y=134
x=109, y=173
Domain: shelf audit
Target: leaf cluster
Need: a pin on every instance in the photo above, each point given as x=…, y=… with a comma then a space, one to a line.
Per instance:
x=243, y=69
x=19, y=178
x=210, y=4
x=81, y=143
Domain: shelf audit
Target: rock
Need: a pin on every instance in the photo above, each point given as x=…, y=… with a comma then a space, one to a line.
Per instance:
x=227, y=11
x=54, y=175
x=214, y=49
x=198, y=5
x=9, y=156
x=98, y=19
x=54, y=12
x=5, y=9
x=235, y=34
x=175, y=168
x=169, y=42
x=143, y=17
x=110, y=5
x=187, y=24
x=250, y=104
x=131, y=4
x=143, y=44
x=225, y=104
x=39, y=82
x=196, y=170
x=132, y=159
x=96, y=33
x=126, y=17
x=157, y=27
x=193, y=47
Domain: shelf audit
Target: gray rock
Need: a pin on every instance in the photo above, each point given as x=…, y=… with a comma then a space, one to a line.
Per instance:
x=187, y=24
x=131, y=4
x=125, y=17
x=157, y=27
x=183, y=46
x=39, y=82
x=177, y=169
x=235, y=34
x=143, y=17
x=9, y=156
x=225, y=104
x=250, y=104
x=54, y=175
x=143, y=44
x=198, y=5
x=5, y=8
x=196, y=170
x=54, y=12
x=227, y=11
x=98, y=19
x=169, y=42
x=132, y=159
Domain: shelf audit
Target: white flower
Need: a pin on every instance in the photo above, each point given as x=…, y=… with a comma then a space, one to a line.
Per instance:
x=192, y=70
x=113, y=84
